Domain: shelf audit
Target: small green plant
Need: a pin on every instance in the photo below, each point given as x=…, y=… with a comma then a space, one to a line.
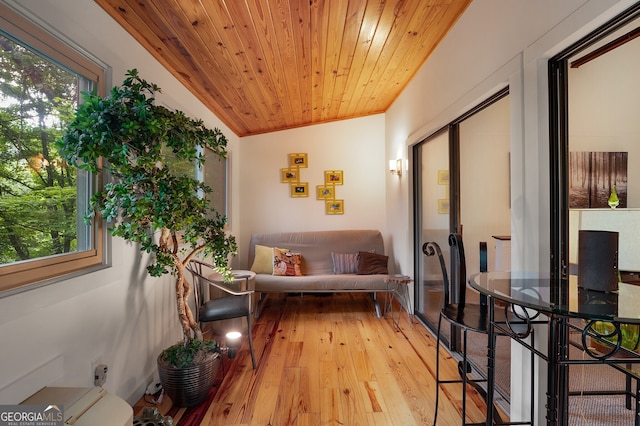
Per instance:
x=152, y=202
x=182, y=356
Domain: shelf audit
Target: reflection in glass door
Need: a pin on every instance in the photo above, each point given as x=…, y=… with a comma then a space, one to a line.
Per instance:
x=462, y=184
x=432, y=223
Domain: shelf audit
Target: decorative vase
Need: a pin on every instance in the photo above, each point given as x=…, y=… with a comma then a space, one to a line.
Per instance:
x=630, y=334
x=613, y=200
x=189, y=386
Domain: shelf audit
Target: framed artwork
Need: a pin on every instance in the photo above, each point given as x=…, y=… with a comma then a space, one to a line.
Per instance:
x=325, y=192
x=443, y=206
x=333, y=177
x=592, y=176
x=443, y=177
x=290, y=175
x=299, y=189
x=334, y=207
x=298, y=160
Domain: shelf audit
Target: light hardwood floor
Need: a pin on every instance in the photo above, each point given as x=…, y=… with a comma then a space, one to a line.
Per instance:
x=328, y=360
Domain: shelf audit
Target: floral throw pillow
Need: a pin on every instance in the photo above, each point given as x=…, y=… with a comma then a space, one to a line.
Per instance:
x=286, y=263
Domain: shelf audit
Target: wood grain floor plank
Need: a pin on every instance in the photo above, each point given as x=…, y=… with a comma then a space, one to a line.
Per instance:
x=328, y=360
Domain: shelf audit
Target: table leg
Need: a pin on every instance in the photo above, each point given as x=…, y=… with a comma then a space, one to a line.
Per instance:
x=637, y=411
x=491, y=362
x=407, y=302
x=563, y=372
x=553, y=370
x=403, y=300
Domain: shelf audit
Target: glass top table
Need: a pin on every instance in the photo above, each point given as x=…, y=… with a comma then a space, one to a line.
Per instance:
x=561, y=301
x=535, y=291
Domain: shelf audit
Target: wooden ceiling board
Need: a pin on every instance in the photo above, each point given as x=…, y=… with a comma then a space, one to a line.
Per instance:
x=366, y=31
x=135, y=18
x=268, y=65
x=217, y=33
x=398, y=62
x=377, y=41
x=249, y=54
x=203, y=51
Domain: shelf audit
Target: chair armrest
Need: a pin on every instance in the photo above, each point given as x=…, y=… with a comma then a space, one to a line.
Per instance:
x=225, y=287
x=203, y=273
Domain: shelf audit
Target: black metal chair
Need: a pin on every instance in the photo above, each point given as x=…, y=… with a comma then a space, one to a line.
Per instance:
x=236, y=305
x=467, y=317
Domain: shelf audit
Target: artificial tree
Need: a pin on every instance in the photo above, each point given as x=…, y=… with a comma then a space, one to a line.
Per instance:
x=149, y=202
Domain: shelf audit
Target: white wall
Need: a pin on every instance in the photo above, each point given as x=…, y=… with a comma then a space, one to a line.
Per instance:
x=118, y=316
x=484, y=181
x=498, y=43
x=604, y=102
x=354, y=146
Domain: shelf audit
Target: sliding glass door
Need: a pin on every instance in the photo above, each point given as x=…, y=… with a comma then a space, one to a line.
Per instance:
x=431, y=160
x=461, y=185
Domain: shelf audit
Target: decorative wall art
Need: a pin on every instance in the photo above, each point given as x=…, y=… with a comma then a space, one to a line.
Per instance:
x=333, y=177
x=291, y=175
x=334, y=206
x=299, y=190
x=327, y=192
x=592, y=177
x=298, y=160
x=443, y=177
x=443, y=203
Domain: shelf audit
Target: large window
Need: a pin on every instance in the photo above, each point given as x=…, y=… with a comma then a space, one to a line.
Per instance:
x=43, y=200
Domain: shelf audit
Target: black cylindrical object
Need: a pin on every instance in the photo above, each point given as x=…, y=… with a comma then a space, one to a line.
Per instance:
x=598, y=260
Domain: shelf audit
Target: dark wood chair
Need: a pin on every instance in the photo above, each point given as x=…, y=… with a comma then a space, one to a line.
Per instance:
x=236, y=305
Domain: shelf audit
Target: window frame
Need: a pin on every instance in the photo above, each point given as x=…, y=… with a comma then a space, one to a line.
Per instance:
x=24, y=274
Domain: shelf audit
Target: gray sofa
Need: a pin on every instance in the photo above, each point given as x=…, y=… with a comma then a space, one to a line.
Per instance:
x=317, y=263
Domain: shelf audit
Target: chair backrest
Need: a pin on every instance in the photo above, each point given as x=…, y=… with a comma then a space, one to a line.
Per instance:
x=203, y=283
x=483, y=267
x=431, y=248
x=457, y=247
x=195, y=268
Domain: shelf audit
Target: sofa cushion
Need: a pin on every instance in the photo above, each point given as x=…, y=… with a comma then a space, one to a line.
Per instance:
x=372, y=263
x=345, y=263
x=263, y=261
x=316, y=246
x=321, y=283
x=286, y=263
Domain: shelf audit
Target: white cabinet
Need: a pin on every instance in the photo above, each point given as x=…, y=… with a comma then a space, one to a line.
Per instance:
x=502, y=261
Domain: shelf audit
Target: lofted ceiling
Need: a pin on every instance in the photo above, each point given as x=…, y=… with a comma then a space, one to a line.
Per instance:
x=267, y=65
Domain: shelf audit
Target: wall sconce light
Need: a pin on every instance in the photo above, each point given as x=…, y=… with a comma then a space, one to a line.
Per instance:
x=395, y=167
x=233, y=342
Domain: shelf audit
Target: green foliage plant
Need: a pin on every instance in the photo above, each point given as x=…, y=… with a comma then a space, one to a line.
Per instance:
x=148, y=202
x=181, y=356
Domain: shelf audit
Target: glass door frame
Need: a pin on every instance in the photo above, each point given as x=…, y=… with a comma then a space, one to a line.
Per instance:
x=559, y=147
x=453, y=129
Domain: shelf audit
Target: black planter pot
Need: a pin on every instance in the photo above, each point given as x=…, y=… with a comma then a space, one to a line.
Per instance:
x=188, y=386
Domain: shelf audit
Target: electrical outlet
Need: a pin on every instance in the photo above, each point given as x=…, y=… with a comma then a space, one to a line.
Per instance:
x=153, y=388
x=100, y=375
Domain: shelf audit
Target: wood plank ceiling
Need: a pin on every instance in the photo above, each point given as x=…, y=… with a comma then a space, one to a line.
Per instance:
x=267, y=65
